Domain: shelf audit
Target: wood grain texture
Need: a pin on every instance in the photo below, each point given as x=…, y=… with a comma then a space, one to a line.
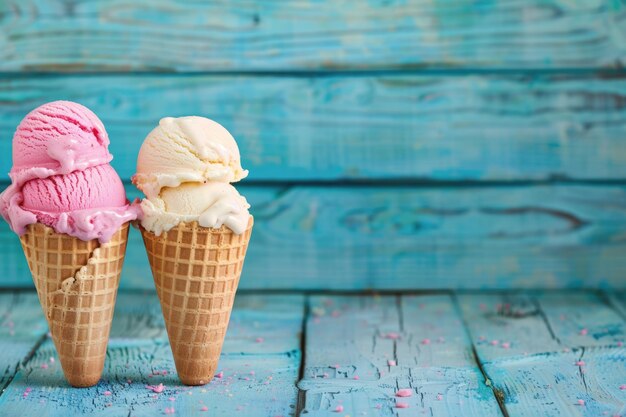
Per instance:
x=258, y=377
x=506, y=127
x=417, y=238
x=617, y=300
x=550, y=351
x=244, y=35
x=350, y=341
x=22, y=327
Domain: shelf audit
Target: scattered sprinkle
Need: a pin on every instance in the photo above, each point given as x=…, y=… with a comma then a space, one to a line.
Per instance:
x=402, y=405
x=44, y=366
x=158, y=388
x=620, y=344
x=584, y=332
x=169, y=410
x=172, y=399
x=204, y=408
x=404, y=392
x=51, y=359
x=259, y=340
x=392, y=336
x=580, y=363
x=356, y=377
x=338, y=409
x=506, y=345
x=220, y=375
x=439, y=397
x=391, y=362
x=107, y=393
x=622, y=387
x=335, y=366
x=581, y=402
x=495, y=342
x=426, y=342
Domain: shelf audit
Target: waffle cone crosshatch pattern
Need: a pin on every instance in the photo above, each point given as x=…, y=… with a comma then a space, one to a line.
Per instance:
x=196, y=272
x=77, y=283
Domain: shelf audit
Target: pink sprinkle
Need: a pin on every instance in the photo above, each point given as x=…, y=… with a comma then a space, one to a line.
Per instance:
x=580, y=363
x=506, y=345
x=426, y=342
x=158, y=389
x=246, y=379
x=252, y=372
x=391, y=362
x=392, y=336
x=335, y=366
x=44, y=366
x=107, y=393
x=494, y=342
x=128, y=381
x=325, y=375
x=51, y=359
x=259, y=340
x=29, y=389
x=581, y=402
x=356, y=377
x=439, y=397
x=584, y=332
x=404, y=392
x=622, y=387
x=169, y=410
x=402, y=405
x=620, y=344
x=379, y=406
x=220, y=375
x=205, y=408
x=338, y=409
x=163, y=372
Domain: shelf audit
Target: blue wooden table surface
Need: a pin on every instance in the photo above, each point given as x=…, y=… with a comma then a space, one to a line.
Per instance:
x=554, y=353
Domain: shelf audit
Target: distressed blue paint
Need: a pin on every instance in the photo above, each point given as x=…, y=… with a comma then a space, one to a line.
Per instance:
x=548, y=334
x=259, y=378
x=351, y=339
x=167, y=35
x=419, y=238
x=22, y=326
x=481, y=127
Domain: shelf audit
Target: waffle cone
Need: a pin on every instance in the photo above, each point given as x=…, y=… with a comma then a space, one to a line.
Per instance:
x=77, y=285
x=196, y=271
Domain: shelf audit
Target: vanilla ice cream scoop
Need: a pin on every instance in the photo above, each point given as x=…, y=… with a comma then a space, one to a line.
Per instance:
x=211, y=204
x=187, y=149
x=185, y=167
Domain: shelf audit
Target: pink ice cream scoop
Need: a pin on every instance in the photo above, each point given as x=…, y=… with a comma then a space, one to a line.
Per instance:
x=61, y=175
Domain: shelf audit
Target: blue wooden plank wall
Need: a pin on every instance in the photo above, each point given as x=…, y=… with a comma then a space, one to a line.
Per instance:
x=392, y=145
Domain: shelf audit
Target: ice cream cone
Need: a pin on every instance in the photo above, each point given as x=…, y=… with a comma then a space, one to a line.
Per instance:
x=196, y=271
x=77, y=285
